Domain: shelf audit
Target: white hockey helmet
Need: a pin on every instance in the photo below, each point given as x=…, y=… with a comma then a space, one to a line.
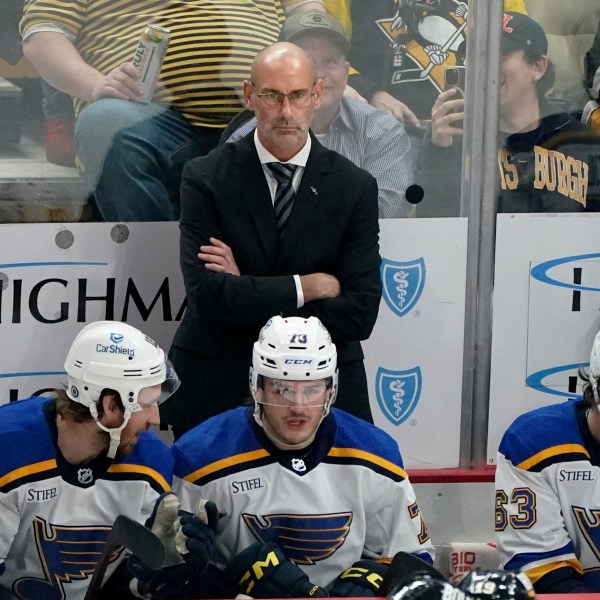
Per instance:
x=117, y=356
x=294, y=349
x=595, y=367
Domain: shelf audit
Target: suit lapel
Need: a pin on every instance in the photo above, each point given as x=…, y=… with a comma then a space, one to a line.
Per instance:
x=308, y=200
x=253, y=189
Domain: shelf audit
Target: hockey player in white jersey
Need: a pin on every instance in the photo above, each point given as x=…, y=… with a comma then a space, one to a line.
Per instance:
x=73, y=462
x=314, y=501
x=548, y=492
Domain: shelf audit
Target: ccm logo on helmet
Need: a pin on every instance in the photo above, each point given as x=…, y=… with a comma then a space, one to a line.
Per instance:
x=113, y=349
x=297, y=361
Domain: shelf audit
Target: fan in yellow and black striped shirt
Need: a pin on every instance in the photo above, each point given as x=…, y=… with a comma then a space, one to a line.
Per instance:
x=132, y=154
x=211, y=49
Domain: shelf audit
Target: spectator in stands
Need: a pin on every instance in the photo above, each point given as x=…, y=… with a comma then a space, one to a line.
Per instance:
x=591, y=112
x=544, y=153
x=370, y=138
x=547, y=489
x=132, y=153
x=275, y=223
x=400, y=50
x=317, y=496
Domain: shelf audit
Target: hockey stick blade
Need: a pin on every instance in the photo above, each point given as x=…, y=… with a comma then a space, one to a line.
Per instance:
x=404, y=566
x=137, y=539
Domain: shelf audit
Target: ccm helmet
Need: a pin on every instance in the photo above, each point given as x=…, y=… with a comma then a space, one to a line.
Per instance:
x=595, y=367
x=294, y=349
x=497, y=585
x=117, y=356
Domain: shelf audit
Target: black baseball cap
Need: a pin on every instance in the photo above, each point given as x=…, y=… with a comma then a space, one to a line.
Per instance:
x=304, y=23
x=521, y=32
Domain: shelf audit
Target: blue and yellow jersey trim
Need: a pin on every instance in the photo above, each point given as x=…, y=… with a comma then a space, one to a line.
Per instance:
x=543, y=437
x=556, y=454
x=151, y=461
x=28, y=474
x=129, y=472
x=545, y=562
x=260, y=457
x=227, y=445
x=226, y=466
x=537, y=573
x=49, y=468
x=354, y=456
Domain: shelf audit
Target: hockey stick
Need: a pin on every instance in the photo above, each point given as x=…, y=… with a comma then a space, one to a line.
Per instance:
x=136, y=538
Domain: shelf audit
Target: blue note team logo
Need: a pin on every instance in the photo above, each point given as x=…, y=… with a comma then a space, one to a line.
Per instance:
x=548, y=273
x=398, y=393
x=403, y=283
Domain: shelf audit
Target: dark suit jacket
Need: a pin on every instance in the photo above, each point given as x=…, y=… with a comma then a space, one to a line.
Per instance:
x=333, y=228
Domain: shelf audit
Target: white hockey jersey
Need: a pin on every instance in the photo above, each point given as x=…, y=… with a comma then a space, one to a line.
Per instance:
x=54, y=516
x=344, y=497
x=548, y=494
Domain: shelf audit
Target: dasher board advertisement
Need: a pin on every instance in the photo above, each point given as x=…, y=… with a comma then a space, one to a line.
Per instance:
x=69, y=275
x=546, y=313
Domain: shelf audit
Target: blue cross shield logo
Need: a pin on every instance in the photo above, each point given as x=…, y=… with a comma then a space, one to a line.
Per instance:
x=398, y=393
x=403, y=283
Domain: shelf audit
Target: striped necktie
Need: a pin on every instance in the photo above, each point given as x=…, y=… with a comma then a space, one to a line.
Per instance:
x=285, y=195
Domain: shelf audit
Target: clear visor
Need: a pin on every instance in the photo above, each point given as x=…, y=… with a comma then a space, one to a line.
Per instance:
x=279, y=392
x=157, y=394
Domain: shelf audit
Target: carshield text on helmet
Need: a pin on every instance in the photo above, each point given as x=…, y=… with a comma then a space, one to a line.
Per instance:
x=117, y=356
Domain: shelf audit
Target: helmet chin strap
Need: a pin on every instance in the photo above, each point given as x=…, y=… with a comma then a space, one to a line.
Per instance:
x=113, y=432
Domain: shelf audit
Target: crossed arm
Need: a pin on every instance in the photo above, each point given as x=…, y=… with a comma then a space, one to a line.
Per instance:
x=241, y=289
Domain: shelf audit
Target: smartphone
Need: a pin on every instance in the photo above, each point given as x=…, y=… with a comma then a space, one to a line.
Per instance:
x=454, y=77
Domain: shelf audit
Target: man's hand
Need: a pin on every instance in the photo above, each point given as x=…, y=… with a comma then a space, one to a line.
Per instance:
x=446, y=116
x=318, y=286
x=362, y=579
x=387, y=103
x=122, y=82
x=263, y=571
x=218, y=257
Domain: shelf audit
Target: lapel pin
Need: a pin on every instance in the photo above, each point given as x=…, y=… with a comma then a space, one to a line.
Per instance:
x=314, y=191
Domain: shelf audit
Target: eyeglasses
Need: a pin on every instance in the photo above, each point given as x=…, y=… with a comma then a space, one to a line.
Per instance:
x=283, y=395
x=299, y=99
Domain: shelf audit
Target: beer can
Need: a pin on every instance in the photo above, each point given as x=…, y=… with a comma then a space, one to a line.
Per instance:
x=149, y=57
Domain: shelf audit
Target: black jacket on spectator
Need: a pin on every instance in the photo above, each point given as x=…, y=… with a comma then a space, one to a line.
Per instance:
x=553, y=168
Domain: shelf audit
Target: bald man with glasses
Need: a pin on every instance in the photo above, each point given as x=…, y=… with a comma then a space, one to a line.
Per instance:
x=372, y=139
x=273, y=224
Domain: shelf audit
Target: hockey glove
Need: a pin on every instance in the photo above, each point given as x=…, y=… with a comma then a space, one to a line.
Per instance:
x=195, y=534
x=263, y=571
x=188, y=541
x=362, y=579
